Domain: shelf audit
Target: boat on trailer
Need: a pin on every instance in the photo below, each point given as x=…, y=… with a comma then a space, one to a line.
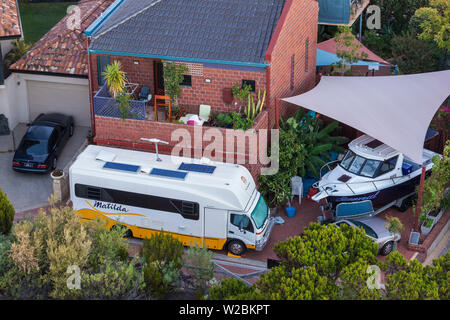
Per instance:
x=371, y=172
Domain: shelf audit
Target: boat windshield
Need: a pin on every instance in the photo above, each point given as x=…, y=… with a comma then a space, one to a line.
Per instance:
x=360, y=165
x=259, y=214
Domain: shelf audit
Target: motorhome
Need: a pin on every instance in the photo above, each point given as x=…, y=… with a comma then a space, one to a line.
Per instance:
x=209, y=203
x=372, y=174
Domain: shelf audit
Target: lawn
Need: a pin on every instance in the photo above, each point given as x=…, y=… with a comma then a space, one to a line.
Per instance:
x=39, y=18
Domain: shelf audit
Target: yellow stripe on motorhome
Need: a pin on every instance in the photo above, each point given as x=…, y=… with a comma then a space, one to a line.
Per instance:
x=139, y=232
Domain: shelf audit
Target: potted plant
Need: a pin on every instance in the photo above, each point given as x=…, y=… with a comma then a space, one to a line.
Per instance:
x=395, y=226
x=57, y=174
x=60, y=184
x=426, y=226
x=435, y=197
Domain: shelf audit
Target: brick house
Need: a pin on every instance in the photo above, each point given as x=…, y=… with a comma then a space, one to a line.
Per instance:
x=268, y=44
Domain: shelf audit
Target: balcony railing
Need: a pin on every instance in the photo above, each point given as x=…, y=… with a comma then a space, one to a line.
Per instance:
x=107, y=106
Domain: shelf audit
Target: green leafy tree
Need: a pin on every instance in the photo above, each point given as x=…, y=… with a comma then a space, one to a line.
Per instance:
x=276, y=188
x=315, y=139
x=173, y=76
x=408, y=280
x=7, y=213
x=435, y=23
x=413, y=55
x=234, y=289
x=348, y=48
x=284, y=283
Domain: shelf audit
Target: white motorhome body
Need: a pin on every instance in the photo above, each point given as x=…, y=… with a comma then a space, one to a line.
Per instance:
x=204, y=202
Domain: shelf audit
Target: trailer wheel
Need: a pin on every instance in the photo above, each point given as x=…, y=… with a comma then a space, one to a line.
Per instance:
x=406, y=203
x=236, y=247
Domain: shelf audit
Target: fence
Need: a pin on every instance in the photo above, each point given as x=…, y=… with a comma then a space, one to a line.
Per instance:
x=106, y=106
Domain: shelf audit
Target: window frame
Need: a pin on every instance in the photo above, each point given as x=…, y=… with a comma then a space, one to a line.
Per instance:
x=252, y=83
x=185, y=83
x=151, y=202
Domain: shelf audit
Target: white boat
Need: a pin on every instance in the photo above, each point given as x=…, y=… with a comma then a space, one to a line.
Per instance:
x=371, y=170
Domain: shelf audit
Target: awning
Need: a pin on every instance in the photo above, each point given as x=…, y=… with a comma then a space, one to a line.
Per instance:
x=330, y=46
x=396, y=110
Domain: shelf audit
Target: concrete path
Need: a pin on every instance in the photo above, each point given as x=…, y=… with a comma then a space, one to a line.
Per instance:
x=440, y=250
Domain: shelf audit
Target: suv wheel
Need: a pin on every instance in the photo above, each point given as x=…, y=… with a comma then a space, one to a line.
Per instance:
x=387, y=248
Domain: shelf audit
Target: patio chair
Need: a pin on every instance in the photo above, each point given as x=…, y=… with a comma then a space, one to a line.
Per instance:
x=297, y=188
x=144, y=94
x=204, y=112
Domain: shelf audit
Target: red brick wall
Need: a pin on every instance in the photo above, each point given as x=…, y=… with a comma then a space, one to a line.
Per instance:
x=127, y=134
x=201, y=92
x=141, y=73
x=297, y=23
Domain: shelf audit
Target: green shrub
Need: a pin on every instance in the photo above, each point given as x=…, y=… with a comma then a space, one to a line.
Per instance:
x=115, y=281
x=231, y=289
x=162, y=255
x=7, y=213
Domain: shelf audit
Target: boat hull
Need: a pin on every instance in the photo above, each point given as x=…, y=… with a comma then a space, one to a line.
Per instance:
x=381, y=197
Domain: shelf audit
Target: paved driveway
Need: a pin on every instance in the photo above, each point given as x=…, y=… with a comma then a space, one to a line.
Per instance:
x=31, y=190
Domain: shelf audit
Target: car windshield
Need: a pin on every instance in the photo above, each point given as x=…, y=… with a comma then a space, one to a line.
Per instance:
x=360, y=165
x=260, y=213
x=369, y=230
x=33, y=147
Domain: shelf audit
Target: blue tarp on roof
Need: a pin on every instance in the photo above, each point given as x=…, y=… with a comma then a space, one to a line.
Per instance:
x=325, y=58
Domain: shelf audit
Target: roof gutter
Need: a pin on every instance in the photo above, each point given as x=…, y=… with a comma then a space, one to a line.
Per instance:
x=194, y=60
x=105, y=15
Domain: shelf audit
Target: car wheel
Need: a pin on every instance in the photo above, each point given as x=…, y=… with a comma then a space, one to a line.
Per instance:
x=236, y=247
x=387, y=248
x=71, y=130
x=54, y=163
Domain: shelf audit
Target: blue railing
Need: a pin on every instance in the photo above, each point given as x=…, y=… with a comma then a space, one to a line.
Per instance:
x=107, y=106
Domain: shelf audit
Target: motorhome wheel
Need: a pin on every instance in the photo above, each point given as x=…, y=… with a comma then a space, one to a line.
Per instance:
x=236, y=247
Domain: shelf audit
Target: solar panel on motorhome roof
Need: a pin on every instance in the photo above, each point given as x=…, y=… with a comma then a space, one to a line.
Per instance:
x=168, y=173
x=121, y=166
x=197, y=168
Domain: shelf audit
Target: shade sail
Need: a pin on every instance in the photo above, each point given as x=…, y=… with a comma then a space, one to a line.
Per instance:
x=396, y=110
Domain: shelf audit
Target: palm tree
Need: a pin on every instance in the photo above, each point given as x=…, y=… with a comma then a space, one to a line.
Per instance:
x=115, y=78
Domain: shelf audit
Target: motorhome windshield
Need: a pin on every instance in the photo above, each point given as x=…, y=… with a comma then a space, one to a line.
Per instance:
x=259, y=214
x=360, y=165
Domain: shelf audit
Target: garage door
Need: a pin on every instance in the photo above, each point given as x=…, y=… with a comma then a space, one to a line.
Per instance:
x=70, y=99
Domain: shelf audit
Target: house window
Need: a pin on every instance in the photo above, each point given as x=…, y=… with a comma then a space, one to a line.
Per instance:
x=306, y=55
x=102, y=62
x=292, y=72
x=252, y=83
x=187, y=81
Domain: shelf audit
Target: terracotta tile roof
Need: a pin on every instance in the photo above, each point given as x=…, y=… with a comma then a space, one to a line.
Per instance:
x=9, y=19
x=62, y=50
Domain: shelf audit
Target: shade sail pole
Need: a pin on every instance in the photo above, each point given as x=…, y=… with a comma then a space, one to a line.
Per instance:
x=419, y=200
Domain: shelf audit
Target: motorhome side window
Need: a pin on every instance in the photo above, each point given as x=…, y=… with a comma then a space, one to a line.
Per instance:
x=189, y=210
x=242, y=222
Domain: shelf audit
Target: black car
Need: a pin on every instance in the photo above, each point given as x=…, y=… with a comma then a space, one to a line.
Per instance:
x=43, y=143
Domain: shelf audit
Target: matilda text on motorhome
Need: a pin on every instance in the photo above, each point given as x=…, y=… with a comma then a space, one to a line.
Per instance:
x=212, y=204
